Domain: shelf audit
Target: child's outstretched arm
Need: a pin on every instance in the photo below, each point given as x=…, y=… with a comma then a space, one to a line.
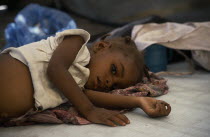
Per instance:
x=151, y=106
x=58, y=74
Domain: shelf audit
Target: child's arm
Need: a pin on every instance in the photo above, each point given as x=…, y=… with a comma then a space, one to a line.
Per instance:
x=58, y=74
x=151, y=106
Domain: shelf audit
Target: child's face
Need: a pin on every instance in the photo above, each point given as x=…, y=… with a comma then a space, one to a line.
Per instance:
x=111, y=69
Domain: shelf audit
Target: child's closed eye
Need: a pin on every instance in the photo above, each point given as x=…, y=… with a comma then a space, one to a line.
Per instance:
x=113, y=69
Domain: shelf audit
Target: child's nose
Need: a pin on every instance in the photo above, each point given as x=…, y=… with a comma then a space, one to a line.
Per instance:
x=98, y=80
x=108, y=84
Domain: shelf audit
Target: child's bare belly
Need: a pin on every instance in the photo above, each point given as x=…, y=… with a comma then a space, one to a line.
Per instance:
x=16, y=89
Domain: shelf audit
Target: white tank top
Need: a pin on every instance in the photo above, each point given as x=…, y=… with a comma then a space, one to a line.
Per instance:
x=37, y=55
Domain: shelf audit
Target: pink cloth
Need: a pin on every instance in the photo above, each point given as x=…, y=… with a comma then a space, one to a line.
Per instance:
x=66, y=113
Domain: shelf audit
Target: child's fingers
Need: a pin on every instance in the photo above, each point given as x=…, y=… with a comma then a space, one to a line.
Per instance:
x=158, y=108
x=117, y=120
x=163, y=109
x=166, y=108
x=165, y=103
x=110, y=123
x=155, y=112
x=124, y=118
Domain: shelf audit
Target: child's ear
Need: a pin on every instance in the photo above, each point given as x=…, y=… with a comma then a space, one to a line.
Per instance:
x=101, y=45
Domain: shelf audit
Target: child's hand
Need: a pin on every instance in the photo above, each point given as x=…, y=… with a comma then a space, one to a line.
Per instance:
x=107, y=117
x=154, y=107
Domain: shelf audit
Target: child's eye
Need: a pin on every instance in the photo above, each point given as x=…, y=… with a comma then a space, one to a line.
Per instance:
x=113, y=69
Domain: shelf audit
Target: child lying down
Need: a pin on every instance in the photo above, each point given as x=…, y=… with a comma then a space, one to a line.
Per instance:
x=66, y=113
x=45, y=74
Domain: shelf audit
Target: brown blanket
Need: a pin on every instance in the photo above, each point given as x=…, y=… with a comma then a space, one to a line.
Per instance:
x=66, y=113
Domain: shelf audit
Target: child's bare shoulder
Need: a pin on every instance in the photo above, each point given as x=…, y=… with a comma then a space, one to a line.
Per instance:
x=67, y=50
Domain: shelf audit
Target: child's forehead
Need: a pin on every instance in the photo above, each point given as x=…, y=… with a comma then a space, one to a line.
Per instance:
x=125, y=51
x=116, y=41
x=119, y=56
x=118, y=52
x=123, y=45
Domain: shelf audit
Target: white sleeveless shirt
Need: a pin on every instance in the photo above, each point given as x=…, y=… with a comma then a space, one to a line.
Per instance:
x=37, y=56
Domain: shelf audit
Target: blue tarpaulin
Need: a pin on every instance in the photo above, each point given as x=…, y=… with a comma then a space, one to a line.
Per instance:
x=34, y=23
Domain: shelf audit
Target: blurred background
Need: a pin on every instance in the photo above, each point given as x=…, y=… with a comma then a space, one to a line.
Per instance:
x=98, y=16
x=102, y=16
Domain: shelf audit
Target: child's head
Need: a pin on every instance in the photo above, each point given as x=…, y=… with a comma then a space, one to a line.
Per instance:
x=115, y=63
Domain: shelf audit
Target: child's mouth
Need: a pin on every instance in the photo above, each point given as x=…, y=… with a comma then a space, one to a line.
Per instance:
x=98, y=85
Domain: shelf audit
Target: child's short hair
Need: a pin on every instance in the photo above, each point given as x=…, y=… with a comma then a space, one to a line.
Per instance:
x=129, y=49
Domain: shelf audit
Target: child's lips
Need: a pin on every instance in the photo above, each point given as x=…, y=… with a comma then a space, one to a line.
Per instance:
x=95, y=86
x=99, y=86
